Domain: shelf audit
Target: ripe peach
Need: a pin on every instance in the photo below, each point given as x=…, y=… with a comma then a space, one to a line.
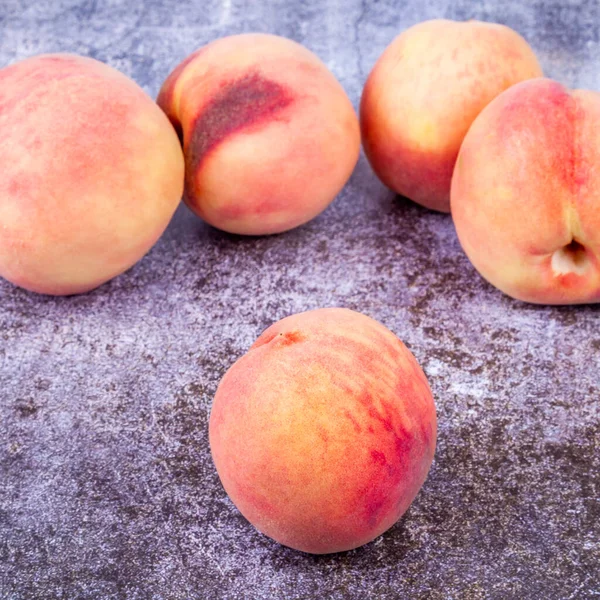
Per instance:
x=423, y=94
x=526, y=193
x=268, y=133
x=91, y=173
x=323, y=433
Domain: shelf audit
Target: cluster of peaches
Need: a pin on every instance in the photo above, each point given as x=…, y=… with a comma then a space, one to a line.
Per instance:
x=325, y=430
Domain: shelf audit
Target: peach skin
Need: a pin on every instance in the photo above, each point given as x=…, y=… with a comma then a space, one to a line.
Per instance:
x=526, y=193
x=423, y=94
x=269, y=135
x=324, y=432
x=92, y=172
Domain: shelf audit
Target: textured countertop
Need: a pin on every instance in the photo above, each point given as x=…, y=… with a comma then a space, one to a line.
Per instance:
x=107, y=489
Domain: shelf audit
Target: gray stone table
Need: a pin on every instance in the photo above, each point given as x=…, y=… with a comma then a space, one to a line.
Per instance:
x=107, y=489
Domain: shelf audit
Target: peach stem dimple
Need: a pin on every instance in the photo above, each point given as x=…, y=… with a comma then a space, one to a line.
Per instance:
x=571, y=258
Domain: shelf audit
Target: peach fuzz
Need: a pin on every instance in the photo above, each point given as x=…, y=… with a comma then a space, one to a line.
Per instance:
x=423, y=94
x=269, y=135
x=92, y=172
x=324, y=432
x=526, y=193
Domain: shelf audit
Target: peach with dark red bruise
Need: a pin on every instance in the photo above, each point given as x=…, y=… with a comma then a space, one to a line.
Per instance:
x=268, y=133
x=91, y=173
x=526, y=193
x=323, y=433
x=423, y=94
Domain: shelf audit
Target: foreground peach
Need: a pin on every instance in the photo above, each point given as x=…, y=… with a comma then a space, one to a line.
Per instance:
x=423, y=94
x=324, y=431
x=91, y=174
x=526, y=193
x=269, y=135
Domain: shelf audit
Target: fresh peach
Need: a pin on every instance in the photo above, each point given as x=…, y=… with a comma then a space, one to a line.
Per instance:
x=423, y=94
x=92, y=172
x=323, y=433
x=268, y=133
x=526, y=193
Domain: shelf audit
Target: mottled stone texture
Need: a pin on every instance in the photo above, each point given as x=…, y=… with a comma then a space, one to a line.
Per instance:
x=107, y=489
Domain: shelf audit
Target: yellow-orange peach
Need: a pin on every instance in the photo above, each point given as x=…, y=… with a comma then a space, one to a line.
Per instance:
x=92, y=172
x=526, y=193
x=423, y=94
x=268, y=133
x=323, y=433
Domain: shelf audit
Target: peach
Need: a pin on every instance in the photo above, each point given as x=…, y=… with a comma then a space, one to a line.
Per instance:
x=269, y=135
x=526, y=193
x=92, y=172
x=423, y=94
x=323, y=433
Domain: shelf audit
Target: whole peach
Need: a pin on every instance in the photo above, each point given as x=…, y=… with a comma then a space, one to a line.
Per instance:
x=526, y=193
x=268, y=133
x=423, y=94
x=323, y=433
x=91, y=173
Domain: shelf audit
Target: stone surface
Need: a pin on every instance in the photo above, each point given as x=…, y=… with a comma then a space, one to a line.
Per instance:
x=107, y=489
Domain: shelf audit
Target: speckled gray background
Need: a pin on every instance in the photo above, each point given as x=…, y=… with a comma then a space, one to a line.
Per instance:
x=107, y=489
